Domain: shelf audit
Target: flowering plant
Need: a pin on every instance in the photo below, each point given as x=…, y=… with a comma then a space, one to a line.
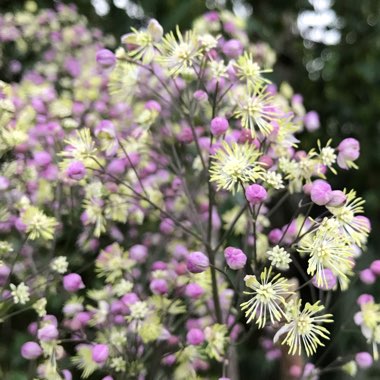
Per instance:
x=149, y=187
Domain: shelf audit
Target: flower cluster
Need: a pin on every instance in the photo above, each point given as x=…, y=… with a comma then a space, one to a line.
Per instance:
x=142, y=192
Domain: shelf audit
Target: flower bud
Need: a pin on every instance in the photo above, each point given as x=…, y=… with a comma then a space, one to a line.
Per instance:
x=364, y=298
x=76, y=170
x=338, y=198
x=42, y=158
x=138, y=252
x=100, y=353
x=321, y=192
x=375, y=267
x=158, y=286
x=47, y=333
x=194, y=291
x=197, y=262
x=31, y=350
x=195, y=337
x=311, y=120
x=255, y=194
x=235, y=258
x=328, y=280
x=200, y=96
x=232, y=48
x=219, y=125
x=367, y=276
x=72, y=282
x=105, y=58
x=349, y=151
x=363, y=359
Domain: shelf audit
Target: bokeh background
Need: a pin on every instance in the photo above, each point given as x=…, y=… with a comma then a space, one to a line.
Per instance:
x=329, y=51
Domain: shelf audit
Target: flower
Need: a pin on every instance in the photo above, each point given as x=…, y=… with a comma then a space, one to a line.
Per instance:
x=250, y=71
x=327, y=249
x=355, y=227
x=369, y=320
x=304, y=328
x=142, y=43
x=179, y=55
x=279, y=257
x=59, y=264
x=349, y=151
x=234, y=164
x=38, y=225
x=268, y=297
x=216, y=338
x=20, y=293
x=255, y=109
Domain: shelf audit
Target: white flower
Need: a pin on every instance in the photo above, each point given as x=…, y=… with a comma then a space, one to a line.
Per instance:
x=20, y=293
x=59, y=264
x=279, y=257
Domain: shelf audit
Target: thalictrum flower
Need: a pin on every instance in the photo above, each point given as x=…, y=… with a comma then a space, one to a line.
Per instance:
x=304, y=328
x=269, y=297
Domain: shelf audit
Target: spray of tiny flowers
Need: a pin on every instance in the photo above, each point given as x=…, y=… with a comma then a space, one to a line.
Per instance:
x=158, y=213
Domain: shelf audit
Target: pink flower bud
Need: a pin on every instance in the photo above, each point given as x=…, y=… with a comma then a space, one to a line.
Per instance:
x=375, y=267
x=235, y=258
x=328, y=282
x=363, y=359
x=195, y=337
x=266, y=161
x=321, y=192
x=219, y=125
x=367, y=276
x=200, y=96
x=338, y=198
x=365, y=298
x=167, y=226
x=42, y=158
x=275, y=235
x=72, y=282
x=105, y=58
x=138, y=252
x=232, y=48
x=31, y=350
x=194, y=291
x=311, y=120
x=349, y=150
x=255, y=194
x=100, y=353
x=153, y=105
x=47, y=333
x=158, y=286
x=169, y=360
x=76, y=170
x=197, y=262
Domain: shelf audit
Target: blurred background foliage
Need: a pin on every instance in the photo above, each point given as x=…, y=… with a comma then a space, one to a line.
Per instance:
x=329, y=51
